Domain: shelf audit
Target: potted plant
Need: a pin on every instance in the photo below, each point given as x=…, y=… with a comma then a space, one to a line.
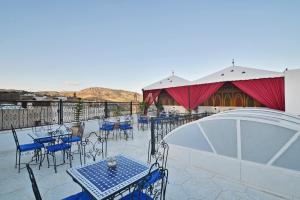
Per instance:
x=78, y=113
x=159, y=107
x=142, y=107
x=117, y=111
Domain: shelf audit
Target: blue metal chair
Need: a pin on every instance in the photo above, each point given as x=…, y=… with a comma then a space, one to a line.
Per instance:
x=142, y=121
x=126, y=128
x=76, y=138
x=160, y=154
x=163, y=114
x=78, y=196
x=107, y=128
x=94, y=145
x=65, y=148
x=151, y=187
x=35, y=147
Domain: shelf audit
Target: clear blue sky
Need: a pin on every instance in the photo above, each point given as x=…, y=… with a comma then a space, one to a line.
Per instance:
x=70, y=45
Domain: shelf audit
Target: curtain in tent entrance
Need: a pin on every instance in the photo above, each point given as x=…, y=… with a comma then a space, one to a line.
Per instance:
x=180, y=95
x=202, y=92
x=268, y=91
x=150, y=96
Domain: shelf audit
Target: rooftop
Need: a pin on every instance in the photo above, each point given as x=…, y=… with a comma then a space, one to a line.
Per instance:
x=185, y=180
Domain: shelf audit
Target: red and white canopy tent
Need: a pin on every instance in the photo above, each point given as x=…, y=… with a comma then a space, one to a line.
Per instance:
x=267, y=87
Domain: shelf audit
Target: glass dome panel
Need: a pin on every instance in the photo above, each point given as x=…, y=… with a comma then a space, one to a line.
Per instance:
x=189, y=136
x=222, y=135
x=261, y=141
x=290, y=159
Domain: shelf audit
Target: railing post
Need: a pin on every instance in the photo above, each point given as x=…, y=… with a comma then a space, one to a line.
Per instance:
x=60, y=112
x=130, y=107
x=19, y=111
x=1, y=119
x=152, y=136
x=105, y=110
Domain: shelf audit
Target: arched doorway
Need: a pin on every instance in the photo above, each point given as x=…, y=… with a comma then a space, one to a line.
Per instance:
x=227, y=100
x=238, y=100
x=217, y=100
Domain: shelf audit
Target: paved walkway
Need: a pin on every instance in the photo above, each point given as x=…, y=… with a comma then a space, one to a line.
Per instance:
x=184, y=182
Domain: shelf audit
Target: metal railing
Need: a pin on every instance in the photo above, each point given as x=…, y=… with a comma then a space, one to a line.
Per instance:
x=161, y=126
x=24, y=114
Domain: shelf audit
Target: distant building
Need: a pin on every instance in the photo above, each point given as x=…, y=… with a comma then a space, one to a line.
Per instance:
x=28, y=97
x=60, y=98
x=10, y=95
x=43, y=98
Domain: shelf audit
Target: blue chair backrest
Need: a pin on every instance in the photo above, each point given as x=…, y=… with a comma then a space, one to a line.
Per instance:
x=143, y=120
x=15, y=136
x=160, y=189
x=80, y=130
x=108, y=125
x=125, y=125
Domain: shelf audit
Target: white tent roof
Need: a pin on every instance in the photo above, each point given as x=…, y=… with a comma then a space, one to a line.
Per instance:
x=171, y=81
x=234, y=73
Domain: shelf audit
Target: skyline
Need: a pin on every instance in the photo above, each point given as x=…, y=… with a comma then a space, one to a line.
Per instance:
x=128, y=45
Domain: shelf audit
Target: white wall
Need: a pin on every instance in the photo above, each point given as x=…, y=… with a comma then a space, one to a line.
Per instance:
x=292, y=91
x=215, y=109
x=179, y=109
x=278, y=181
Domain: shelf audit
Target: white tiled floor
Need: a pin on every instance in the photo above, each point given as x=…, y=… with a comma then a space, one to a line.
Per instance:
x=184, y=182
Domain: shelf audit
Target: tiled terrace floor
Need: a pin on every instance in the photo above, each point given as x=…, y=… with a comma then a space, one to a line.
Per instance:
x=184, y=182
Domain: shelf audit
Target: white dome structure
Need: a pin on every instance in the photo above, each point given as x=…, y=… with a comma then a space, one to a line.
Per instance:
x=260, y=147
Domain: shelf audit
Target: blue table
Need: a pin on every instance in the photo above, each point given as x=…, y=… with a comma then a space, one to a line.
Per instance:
x=102, y=182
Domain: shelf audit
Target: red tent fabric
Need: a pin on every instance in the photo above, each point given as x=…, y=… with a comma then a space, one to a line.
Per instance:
x=149, y=96
x=268, y=91
x=180, y=95
x=200, y=93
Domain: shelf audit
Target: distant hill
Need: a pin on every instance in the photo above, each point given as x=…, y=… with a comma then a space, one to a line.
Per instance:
x=97, y=93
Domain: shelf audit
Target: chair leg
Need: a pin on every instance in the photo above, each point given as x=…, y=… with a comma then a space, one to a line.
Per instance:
x=79, y=149
x=84, y=154
x=16, y=158
x=36, y=153
x=54, y=162
x=19, y=161
x=48, y=159
x=105, y=149
x=40, y=157
x=126, y=135
x=64, y=154
x=70, y=157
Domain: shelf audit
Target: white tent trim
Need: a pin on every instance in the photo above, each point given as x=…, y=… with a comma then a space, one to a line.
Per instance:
x=235, y=73
x=171, y=81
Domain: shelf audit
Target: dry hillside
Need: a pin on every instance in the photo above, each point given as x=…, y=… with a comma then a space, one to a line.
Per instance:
x=97, y=93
